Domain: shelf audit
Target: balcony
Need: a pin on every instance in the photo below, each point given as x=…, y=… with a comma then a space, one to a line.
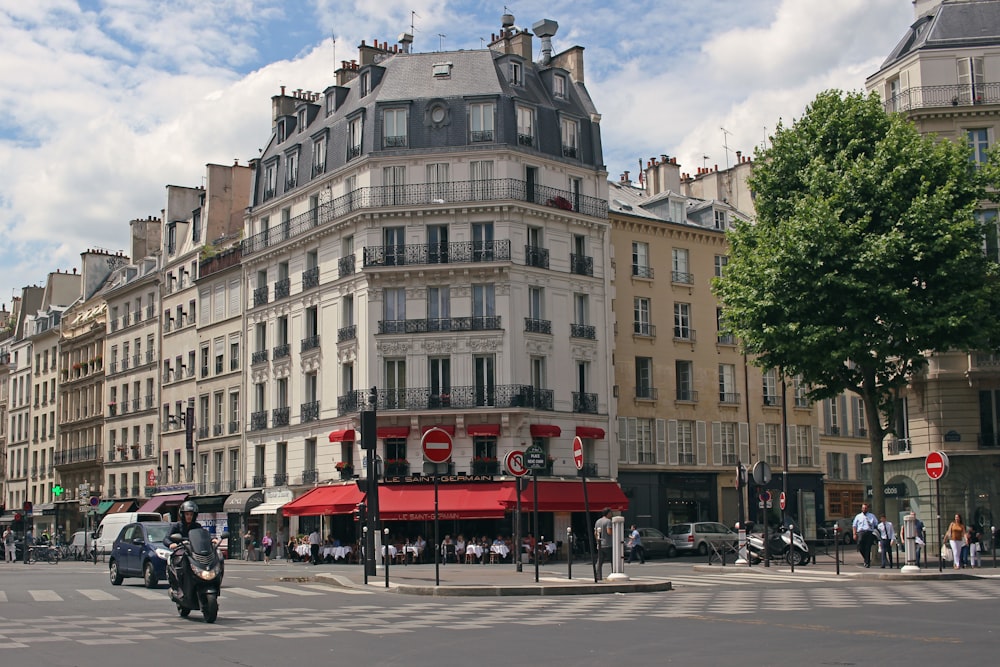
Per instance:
x=581, y=265
x=487, y=323
x=934, y=97
x=682, y=277
x=569, y=151
x=258, y=420
x=310, y=278
x=484, y=466
x=310, y=343
x=424, y=254
x=535, y=256
x=396, y=468
x=347, y=333
x=427, y=398
x=279, y=416
x=771, y=400
x=584, y=403
x=430, y=194
x=533, y=325
x=282, y=288
x=729, y=398
x=280, y=478
x=525, y=139
x=202, y=432
x=282, y=351
x=644, y=329
x=726, y=339
x=582, y=331
x=345, y=265
x=310, y=476
x=309, y=411
x=640, y=271
x=480, y=136
x=685, y=335
x=225, y=259
x=260, y=296
x=258, y=357
x=687, y=396
x=646, y=394
x=86, y=454
x=259, y=480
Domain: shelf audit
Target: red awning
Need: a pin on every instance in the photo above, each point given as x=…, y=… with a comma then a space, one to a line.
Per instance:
x=336, y=499
x=590, y=432
x=346, y=435
x=156, y=502
x=447, y=428
x=556, y=496
x=458, y=500
x=545, y=431
x=482, y=429
x=393, y=431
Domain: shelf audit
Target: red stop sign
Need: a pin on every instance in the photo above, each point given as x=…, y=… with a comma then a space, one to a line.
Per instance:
x=936, y=465
x=436, y=444
x=578, y=452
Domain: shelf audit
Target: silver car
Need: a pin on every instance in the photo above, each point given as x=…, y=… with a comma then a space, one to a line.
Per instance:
x=697, y=536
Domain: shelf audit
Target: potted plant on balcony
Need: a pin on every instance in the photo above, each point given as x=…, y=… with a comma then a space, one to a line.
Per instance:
x=345, y=469
x=484, y=465
x=77, y=366
x=395, y=466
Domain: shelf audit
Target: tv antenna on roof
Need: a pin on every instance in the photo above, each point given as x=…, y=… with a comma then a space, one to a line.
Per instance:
x=725, y=143
x=441, y=37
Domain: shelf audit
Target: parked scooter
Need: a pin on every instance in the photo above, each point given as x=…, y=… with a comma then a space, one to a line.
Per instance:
x=197, y=567
x=783, y=545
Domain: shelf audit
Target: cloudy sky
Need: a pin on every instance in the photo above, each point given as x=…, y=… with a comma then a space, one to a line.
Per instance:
x=104, y=102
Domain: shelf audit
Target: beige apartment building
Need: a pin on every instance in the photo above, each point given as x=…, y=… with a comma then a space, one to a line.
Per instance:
x=690, y=406
x=944, y=75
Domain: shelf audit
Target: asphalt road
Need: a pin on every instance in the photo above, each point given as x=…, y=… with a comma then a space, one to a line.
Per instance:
x=69, y=614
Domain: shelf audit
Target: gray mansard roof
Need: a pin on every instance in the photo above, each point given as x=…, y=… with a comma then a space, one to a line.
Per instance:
x=408, y=81
x=951, y=25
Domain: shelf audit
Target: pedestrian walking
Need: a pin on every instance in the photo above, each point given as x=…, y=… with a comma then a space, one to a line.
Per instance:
x=635, y=546
x=886, y=538
x=973, y=539
x=314, y=541
x=267, y=544
x=8, y=545
x=864, y=533
x=249, y=545
x=956, y=539
x=602, y=538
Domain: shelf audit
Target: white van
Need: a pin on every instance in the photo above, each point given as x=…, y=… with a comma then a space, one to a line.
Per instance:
x=112, y=524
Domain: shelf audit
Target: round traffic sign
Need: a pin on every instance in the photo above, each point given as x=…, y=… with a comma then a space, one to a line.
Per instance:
x=514, y=463
x=95, y=501
x=578, y=452
x=936, y=465
x=781, y=500
x=436, y=443
x=761, y=472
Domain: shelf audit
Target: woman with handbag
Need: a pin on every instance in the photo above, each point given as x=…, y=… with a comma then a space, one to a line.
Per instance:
x=956, y=539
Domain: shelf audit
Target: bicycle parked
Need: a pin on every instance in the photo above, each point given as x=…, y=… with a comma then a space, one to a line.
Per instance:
x=43, y=552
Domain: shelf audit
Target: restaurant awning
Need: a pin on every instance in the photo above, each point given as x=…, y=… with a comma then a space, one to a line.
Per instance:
x=156, y=502
x=545, y=431
x=482, y=429
x=591, y=432
x=559, y=496
x=120, y=506
x=447, y=428
x=242, y=502
x=344, y=435
x=393, y=431
x=333, y=499
x=104, y=506
x=267, y=508
x=415, y=502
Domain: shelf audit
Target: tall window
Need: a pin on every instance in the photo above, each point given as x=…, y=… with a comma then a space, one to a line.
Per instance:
x=971, y=79
x=482, y=241
x=581, y=309
x=681, y=266
x=682, y=321
x=395, y=384
x=394, y=180
x=769, y=380
x=394, y=245
x=319, y=156
x=483, y=305
x=354, y=128
x=685, y=442
x=721, y=220
x=991, y=236
x=481, y=175
x=291, y=169
x=394, y=309
x=644, y=378
x=803, y=446
x=727, y=384
x=525, y=126
x=558, y=85
x=799, y=390
x=641, y=317
x=485, y=380
x=769, y=442
x=570, y=133
x=640, y=260
x=394, y=128
x=439, y=308
x=724, y=434
x=536, y=300
x=979, y=142
x=437, y=180
x=481, y=122
x=684, y=374
x=440, y=376
x=721, y=262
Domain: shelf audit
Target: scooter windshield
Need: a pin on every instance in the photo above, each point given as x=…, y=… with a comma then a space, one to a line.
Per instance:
x=201, y=541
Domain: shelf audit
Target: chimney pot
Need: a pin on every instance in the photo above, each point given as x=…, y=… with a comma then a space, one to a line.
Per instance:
x=282, y=91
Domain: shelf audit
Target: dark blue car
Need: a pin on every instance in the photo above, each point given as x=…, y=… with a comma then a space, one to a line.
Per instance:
x=138, y=551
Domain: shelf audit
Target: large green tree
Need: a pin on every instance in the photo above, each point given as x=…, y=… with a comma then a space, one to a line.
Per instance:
x=864, y=258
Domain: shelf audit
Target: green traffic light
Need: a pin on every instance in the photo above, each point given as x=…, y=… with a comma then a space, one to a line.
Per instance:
x=57, y=490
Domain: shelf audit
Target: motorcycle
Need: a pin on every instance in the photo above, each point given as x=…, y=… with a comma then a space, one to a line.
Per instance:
x=200, y=580
x=783, y=545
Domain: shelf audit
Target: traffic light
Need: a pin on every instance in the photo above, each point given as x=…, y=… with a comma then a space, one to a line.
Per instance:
x=57, y=490
x=359, y=514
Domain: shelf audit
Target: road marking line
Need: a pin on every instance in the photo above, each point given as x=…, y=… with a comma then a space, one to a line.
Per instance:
x=45, y=596
x=96, y=594
x=288, y=589
x=147, y=594
x=247, y=592
x=335, y=589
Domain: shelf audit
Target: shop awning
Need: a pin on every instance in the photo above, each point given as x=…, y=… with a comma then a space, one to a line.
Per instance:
x=558, y=496
x=591, y=432
x=156, y=502
x=268, y=508
x=545, y=431
x=447, y=428
x=334, y=499
x=345, y=435
x=120, y=506
x=482, y=429
x=104, y=506
x=415, y=502
x=242, y=502
x=393, y=431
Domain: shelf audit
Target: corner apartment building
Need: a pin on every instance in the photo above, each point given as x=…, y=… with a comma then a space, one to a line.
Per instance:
x=434, y=225
x=944, y=75
x=131, y=427
x=19, y=405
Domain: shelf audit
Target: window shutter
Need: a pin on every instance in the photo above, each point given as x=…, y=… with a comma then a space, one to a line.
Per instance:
x=622, y=451
x=744, y=435
x=814, y=435
x=219, y=305
x=828, y=415
x=793, y=450
x=672, y=457
x=661, y=441
x=702, y=448
x=761, y=452
x=829, y=465
x=234, y=297
x=205, y=296
x=717, y=443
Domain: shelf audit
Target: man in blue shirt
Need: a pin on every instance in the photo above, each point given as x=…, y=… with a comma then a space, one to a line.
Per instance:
x=864, y=533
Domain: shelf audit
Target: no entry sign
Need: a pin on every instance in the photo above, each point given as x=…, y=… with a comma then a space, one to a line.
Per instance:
x=437, y=445
x=936, y=465
x=578, y=452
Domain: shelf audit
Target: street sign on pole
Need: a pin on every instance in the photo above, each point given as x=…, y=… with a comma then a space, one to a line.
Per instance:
x=513, y=462
x=578, y=452
x=534, y=458
x=781, y=500
x=936, y=465
x=437, y=445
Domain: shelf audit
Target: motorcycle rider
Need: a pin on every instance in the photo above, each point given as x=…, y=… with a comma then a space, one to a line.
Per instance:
x=187, y=515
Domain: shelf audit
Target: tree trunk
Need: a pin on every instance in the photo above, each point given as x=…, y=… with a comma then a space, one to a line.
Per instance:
x=876, y=433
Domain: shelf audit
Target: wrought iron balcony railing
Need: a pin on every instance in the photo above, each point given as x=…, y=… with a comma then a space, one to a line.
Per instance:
x=282, y=288
x=729, y=398
x=282, y=351
x=428, y=398
x=347, y=333
x=581, y=265
x=310, y=343
x=310, y=278
x=584, y=402
x=644, y=329
x=646, y=393
x=532, y=325
x=279, y=416
x=583, y=331
x=310, y=476
x=260, y=296
x=345, y=265
x=489, y=323
x=535, y=256
x=309, y=411
x=258, y=357
x=931, y=97
x=280, y=478
x=682, y=277
x=436, y=253
x=640, y=271
x=259, y=480
x=430, y=194
x=258, y=420
x=687, y=395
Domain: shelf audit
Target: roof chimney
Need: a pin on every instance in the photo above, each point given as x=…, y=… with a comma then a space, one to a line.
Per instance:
x=405, y=39
x=544, y=30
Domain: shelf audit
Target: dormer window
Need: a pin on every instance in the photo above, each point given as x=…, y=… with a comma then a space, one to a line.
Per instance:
x=570, y=132
x=721, y=221
x=319, y=155
x=281, y=131
x=364, y=84
x=394, y=128
x=291, y=169
x=516, y=74
x=270, y=180
x=525, y=126
x=559, y=86
x=171, y=238
x=302, y=119
x=441, y=70
x=354, y=138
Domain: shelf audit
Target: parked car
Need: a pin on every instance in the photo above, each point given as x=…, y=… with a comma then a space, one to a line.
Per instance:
x=138, y=551
x=697, y=536
x=824, y=532
x=655, y=544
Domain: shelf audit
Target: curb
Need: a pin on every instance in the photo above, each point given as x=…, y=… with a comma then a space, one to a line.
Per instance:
x=894, y=575
x=493, y=590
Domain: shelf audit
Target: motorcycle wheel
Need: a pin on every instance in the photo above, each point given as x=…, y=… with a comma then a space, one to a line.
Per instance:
x=796, y=557
x=116, y=576
x=210, y=607
x=183, y=611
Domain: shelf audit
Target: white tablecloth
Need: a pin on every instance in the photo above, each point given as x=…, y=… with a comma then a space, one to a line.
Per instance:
x=336, y=552
x=500, y=549
x=412, y=550
x=392, y=551
x=474, y=549
x=303, y=550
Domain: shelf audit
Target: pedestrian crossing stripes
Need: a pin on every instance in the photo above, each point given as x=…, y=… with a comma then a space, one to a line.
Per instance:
x=748, y=579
